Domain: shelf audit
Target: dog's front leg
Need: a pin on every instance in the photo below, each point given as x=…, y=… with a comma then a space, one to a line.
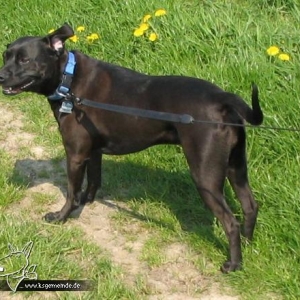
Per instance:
x=93, y=177
x=76, y=165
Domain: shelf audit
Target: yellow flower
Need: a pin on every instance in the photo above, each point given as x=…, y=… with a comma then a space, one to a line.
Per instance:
x=51, y=30
x=92, y=37
x=138, y=32
x=160, y=12
x=273, y=50
x=146, y=18
x=284, y=56
x=144, y=26
x=153, y=37
x=74, y=38
x=141, y=30
x=80, y=28
x=95, y=36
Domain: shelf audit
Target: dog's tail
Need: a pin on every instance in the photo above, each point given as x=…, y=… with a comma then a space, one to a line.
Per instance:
x=253, y=116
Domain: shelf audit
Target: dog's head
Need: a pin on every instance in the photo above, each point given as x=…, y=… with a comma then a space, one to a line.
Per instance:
x=33, y=64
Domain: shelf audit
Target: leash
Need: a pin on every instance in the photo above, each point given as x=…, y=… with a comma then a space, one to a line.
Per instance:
x=63, y=94
x=138, y=112
x=165, y=116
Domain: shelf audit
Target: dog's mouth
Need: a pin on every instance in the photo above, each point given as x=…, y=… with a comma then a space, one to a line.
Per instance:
x=14, y=90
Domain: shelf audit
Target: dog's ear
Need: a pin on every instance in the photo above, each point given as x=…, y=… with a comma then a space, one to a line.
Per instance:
x=57, y=38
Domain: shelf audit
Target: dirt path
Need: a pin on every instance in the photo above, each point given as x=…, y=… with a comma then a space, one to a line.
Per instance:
x=175, y=279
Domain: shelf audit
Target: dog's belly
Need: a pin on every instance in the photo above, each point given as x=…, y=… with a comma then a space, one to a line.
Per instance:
x=131, y=144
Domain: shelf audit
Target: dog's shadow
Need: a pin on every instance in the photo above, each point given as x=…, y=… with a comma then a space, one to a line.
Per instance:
x=125, y=180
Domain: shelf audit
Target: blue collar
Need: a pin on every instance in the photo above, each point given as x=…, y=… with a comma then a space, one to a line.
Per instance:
x=65, y=85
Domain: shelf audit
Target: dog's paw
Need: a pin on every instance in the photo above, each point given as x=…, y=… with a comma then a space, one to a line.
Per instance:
x=229, y=266
x=87, y=199
x=53, y=217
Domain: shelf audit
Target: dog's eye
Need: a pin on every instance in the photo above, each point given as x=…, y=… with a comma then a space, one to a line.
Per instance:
x=24, y=60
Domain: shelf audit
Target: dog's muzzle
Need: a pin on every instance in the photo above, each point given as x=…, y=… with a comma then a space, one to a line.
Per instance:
x=14, y=90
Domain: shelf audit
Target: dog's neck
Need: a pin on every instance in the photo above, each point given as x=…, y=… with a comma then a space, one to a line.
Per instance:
x=67, y=75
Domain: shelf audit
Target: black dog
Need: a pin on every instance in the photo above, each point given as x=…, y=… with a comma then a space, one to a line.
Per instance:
x=213, y=151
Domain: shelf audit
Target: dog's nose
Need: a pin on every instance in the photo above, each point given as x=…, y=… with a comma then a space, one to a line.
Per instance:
x=3, y=75
x=2, y=78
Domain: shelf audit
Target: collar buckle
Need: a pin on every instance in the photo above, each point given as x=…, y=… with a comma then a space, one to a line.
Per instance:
x=66, y=107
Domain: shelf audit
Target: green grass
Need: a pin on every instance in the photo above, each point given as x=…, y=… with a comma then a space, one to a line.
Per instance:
x=61, y=252
x=12, y=185
x=224, y=42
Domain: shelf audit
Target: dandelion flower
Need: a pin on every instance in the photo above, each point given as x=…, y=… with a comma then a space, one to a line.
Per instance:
x=92, y=37
x=95, y=36
x=153, y=37
x=138, y=32
x=160, y=12
x=273, y=50
x=144, y=26
x=80, y=28
x=51, y=30
x=74, y=38
x=146, y=18
x=284, y=56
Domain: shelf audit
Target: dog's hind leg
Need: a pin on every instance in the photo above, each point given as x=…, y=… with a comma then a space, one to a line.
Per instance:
x=93, y=170
x=238, y=178
x=208, y=164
